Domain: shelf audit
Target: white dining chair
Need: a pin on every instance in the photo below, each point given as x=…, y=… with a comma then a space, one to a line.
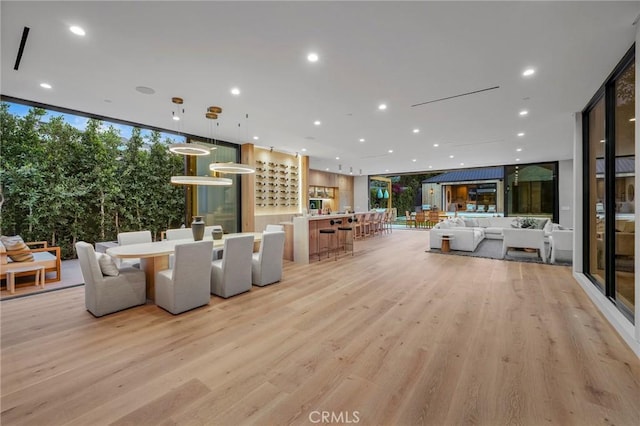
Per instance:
x=231, y=275
x=105, y=294
x=187, y=285
x=266, y=265
x=135, y=237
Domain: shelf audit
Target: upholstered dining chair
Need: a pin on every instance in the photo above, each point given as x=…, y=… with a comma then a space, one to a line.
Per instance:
x=104, y=294
x=266, y=265
x=187, y=286
x=231, y=275
x=274, y=228
x=178, y=234
x=135, y=237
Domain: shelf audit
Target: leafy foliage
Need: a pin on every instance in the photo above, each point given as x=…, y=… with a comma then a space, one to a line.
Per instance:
x=63, y=185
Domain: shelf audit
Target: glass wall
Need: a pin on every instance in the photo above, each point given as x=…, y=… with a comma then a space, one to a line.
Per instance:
x=609, y=203
x=531, y=190
x=596, y=199
x=624, y=118
x=218, y=205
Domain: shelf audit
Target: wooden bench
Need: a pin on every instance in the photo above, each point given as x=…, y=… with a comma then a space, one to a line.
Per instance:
x=45, y=256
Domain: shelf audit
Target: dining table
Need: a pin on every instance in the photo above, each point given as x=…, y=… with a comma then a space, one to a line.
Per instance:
x=154, y=256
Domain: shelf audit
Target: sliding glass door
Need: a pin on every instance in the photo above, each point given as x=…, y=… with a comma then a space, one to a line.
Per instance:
x=609, y=178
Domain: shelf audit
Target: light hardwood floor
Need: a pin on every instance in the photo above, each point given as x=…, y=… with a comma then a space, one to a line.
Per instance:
x=395, y=334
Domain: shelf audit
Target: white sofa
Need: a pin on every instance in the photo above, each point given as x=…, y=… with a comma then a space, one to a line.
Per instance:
x=468, y=232
x=464, y=238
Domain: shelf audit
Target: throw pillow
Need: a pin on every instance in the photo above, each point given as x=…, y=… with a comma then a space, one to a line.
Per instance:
x=107, y=267
x=17, y=250
x=541, y=223
x=471, y=222
x=459, y=222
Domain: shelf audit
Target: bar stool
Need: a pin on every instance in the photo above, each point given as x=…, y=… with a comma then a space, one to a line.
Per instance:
x=347, y=230
x=331, y=237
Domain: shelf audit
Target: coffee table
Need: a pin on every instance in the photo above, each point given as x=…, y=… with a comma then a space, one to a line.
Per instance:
x=446, y=247
x=11, y=276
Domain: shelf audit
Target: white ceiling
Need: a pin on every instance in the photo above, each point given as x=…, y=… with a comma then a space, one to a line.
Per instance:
x=370, y=52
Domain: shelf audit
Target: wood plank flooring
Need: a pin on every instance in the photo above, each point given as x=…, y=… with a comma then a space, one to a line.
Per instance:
x=390, y=336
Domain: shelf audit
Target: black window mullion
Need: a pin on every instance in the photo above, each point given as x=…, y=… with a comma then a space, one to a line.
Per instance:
x=610, y=189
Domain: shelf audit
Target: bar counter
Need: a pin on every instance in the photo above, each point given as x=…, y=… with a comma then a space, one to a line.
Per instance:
x=305, y=234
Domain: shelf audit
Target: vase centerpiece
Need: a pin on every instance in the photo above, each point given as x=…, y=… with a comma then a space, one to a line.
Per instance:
x=197, y=228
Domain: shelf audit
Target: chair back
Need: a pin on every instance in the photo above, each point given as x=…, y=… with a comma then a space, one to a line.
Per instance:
x=88, y=264
x=91, y=273
x=562, y=239
x=179, y=234
x=137, y=237
x=270, y=256
x=274, y=228
x=236, y=260
x=192, y=267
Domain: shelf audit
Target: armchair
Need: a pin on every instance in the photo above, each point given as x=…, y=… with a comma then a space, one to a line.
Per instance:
x=187, y=285
x=266, y=265
x=561, y=241
x=43, y=255
x=231, y=275
x=524, y=238
x=107, y=294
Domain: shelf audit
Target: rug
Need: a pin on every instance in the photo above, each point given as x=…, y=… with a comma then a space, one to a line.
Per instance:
x=492, y=249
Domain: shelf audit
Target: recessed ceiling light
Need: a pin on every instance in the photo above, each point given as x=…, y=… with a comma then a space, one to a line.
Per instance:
x=528, y=72
x=337, y=158
x=77, y=30
x=317, y=122
x=255, y=138
x=312, y=57
x=451, y=156
x=304, y=150
x=361, y=139
x=632, y=119
x=602, y=141
x=524, y=112
x=386, y=170
x=390, y=151
x=382, y=106
x=431, y=167
x=436, y=145
x=521, y=134
x=416, y=130
x=517, y=159
x=176, y=118
x=414, y=160
x=235, y=91
x=462, y=164
x=145, y=90
x=327, y=169
x=45, y=85
x=519, y=149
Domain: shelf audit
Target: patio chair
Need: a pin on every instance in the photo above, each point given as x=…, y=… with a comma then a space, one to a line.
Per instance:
x=492, y=208
x=480, y=208
x=471, y=207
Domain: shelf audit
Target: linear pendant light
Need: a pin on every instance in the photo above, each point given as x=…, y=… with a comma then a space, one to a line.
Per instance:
x=201, y=180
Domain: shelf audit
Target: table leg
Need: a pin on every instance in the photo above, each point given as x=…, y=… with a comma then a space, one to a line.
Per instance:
x=151, y=265
x=11, y=282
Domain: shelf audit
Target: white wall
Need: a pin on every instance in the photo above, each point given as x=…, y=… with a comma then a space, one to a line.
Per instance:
x=361, y=193
x=566, y=187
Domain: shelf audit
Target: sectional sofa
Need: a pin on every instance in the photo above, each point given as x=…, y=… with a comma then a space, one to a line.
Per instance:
x=467, y=233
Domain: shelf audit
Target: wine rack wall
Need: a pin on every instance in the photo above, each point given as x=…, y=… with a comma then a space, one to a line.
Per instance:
x=277, y=188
